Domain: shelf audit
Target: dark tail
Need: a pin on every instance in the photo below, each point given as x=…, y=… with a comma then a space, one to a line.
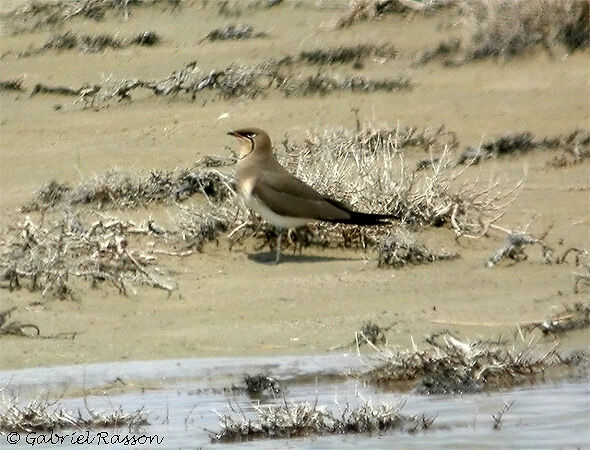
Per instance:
x=360, y=218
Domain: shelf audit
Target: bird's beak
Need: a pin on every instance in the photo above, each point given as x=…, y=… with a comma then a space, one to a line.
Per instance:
x=233, y=133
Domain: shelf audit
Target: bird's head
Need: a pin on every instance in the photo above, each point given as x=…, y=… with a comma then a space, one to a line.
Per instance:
x=251, y=140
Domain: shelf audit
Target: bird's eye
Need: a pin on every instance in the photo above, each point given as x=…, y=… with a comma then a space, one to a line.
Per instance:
x=251, y=135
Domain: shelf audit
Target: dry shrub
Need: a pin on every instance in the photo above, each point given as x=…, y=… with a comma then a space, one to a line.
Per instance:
x=400, y=249
x=576, y=144
x=453, y=366
x=92, y=43
x=346, y=54
x=233, y=81
x=12, y=85
x=233, y=32
x=235, y=8
x=514, y=247
x=507, y=28
x=124, y=190
x=323, y=84
x=42, y=15
x=198, y=226
x=367, y=10
x=365, y=168
x=370, y=333
x=260, y=384
x=574, y=317
x=42, y=415
x=443, y=50
x=293, y=420
x=49, y=257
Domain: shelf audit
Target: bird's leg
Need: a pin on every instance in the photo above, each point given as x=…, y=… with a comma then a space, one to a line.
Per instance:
x=279, y=238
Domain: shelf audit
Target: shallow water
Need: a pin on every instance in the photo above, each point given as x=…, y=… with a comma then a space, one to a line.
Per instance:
x=184, y=405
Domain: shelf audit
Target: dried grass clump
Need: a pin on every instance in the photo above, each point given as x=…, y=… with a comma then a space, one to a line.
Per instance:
x=514, y=246
x=12, y=85
x=366, y=169
x=49, y=257
x=576, y=144
x=400, y=249
x=196, y=227
x=37, y=15
x=235, y=8
x=232, y=81
x=367, y=10
x=233, y=32
x=442, y=51
x=247, y=81
x=342, y=55
x=507, y=28
x=574, y=317
x=453, y=366
x=121, y=189
x=366, y=139
x=92, y=43
x=42, y=415
x=370, y=333
x=293, y=420
x=323, y=84
x=261, y=383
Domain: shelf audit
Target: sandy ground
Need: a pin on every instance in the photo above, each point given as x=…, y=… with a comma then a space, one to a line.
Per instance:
x=226, y=303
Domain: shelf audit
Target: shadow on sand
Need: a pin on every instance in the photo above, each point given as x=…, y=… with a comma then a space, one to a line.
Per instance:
x=270, y=257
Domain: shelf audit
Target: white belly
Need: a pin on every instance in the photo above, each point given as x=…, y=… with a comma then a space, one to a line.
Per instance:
x=276, y=219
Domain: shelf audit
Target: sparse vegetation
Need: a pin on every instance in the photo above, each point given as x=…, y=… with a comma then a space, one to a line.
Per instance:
x=123, y=190
x=347, y=54
x=333, y=161
x=248, y=81
x=505, y=29
x=513, y=248
x=38, y=15
x=443, y=50
x=500, y=414
x=574, y=317
x=453, y=366
x=12, y=85
x=293, y=420
x=45, y=415
x=576, y=143
x=366, y=10
x=91, y=43
x=400, y=249
x=50, y=256
x=261, y=383
x=233, y=32
x=370, y=333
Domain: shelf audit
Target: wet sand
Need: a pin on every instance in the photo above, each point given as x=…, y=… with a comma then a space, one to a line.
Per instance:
x=229, y=305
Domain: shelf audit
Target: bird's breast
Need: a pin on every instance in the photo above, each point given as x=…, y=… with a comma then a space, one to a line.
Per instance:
x=245, y=188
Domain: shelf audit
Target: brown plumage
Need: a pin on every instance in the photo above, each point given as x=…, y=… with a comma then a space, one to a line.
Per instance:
x=284, y=200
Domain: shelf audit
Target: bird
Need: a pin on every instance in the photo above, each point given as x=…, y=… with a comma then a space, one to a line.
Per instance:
x=281, y=198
